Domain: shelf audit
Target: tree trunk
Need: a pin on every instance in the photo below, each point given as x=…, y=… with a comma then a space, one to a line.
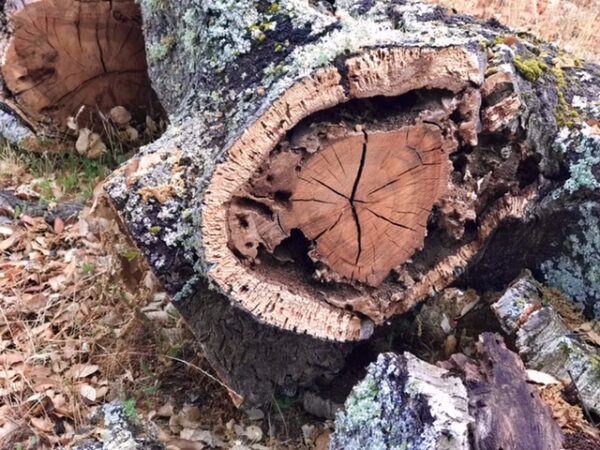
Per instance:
x=65, y=59
x=329, y=168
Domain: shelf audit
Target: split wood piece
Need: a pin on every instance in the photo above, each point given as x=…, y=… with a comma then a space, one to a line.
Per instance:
x=546, y=343
x=507, y=411
x=67, y=54
x=404, y=402
x=480, y=403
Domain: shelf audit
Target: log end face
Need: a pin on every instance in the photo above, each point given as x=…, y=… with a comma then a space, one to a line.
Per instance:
x=311, y=211
x=66, y=55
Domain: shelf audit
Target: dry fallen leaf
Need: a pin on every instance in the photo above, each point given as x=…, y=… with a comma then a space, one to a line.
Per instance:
x=88, y=393
x=42, y=424
x=59, y=225
x=83, y=370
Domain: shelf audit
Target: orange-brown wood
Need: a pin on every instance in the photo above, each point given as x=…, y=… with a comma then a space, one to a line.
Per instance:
x=65, y=54
x=365, y=199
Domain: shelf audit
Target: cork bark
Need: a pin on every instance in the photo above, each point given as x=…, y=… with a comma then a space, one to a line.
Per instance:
x=256, y=81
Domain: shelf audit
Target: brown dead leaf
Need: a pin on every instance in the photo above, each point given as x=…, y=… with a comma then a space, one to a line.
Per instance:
x=88, y=393
x=59, y=226
x=10, y=241
x=42, y=424
x=591, y=337
x=322, y=441
x=80, y=371
x=8, y=359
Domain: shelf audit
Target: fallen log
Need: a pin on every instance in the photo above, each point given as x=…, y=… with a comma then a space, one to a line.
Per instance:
x=330, y=168
x=481, y=403
x=65, y=60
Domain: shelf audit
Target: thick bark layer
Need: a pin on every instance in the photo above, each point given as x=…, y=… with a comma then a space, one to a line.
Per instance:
x=64, y=59
x=221, y=199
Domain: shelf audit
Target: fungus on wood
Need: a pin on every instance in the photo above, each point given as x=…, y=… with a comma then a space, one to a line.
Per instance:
x=59, y=56
x=325, y=172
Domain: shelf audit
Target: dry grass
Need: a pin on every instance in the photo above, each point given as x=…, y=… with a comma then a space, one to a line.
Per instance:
x=572, y=24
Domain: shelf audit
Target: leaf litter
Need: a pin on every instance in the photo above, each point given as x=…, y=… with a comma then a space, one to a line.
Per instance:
x=83, y=323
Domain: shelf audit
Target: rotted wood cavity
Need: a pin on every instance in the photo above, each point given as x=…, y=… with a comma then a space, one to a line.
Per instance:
x=67, y=54
x=352, y=187
x=361, y=194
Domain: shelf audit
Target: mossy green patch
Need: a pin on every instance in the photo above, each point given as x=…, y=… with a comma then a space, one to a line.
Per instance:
x=566, y=115
x=530, y=69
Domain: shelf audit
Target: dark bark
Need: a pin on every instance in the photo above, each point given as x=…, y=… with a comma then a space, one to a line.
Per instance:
x=507, y=411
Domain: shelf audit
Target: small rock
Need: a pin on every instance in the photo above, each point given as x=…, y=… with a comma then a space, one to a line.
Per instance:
x=132, y=134
x=119, y=115
x=83, y=141
x=167, y=410
x=254, y=433
x=255, y=414
x=307, y=433
x=189, y=417
x=204, y=436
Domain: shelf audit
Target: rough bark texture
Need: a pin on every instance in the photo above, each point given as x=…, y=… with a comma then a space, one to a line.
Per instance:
x=479, y=403
x=258, y=362
x=240, y=88
x=404, y=402
x=545, y=343
x=508, y=412
x=64, y=59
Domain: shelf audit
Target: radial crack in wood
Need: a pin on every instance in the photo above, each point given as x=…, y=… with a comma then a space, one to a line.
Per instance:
x=365, y=199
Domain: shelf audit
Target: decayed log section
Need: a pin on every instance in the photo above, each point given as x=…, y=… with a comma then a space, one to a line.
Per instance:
x=545, y=342
x=64, y=59
x=480, y=403
x=329, y=169
x=404, y=402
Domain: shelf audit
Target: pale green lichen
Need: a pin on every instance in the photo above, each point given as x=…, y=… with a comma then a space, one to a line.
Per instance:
x=161, y=50
x=401, y=404
x=577, y=272
x=586, y=146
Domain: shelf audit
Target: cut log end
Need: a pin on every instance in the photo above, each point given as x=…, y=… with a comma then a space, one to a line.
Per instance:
x=331, y=190
x=363, y=199
x=65, y=54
